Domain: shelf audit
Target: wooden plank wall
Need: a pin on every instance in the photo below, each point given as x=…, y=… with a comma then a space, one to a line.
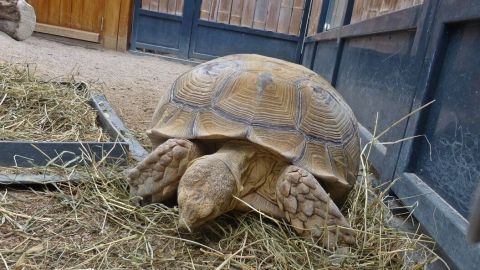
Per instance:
x=281, y=16
x=338, y=10
x=174, y=7
x=314, y=17
x=365, y=9
x=110, y=18
x=362, y=10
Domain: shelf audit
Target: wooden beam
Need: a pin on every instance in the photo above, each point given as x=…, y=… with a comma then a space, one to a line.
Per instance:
x=110, y=24
x=124, y=24
x=67, y=32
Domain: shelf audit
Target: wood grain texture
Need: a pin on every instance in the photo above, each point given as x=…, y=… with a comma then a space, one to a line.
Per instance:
x=179, y=8
x=66, y=13
x=172, y=7
x=155, y=6
x=110, y=31
x=146, y=4
x=260, y=18
x=314, y=17
x=53, y=11
x=366, y=9
x=237, y=9
x=296, y=19
x=67, y=32
x=338, y=11
x=224, y=10
x=248, y=13
x=41, y=9
x=89, y=16
x=77, y=14
x=285, y=16
x=213, y=10
x=273, y=15
x=257, y=14
x=205, y=10
x=111, y=19
x=125, y=20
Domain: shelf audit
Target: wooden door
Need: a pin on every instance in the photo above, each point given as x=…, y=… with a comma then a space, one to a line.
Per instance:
x=102, y=21
x=208, y=29
x=85, y=16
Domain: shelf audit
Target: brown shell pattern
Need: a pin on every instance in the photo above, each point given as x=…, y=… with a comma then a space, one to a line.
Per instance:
x=281, y=106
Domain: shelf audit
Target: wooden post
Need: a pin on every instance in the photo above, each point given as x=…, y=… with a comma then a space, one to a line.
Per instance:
x=124, y=24
x=303, y=30
x=17, y=18
x=322, y=17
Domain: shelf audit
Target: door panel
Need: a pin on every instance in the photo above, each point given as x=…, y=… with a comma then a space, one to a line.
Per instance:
x=85, y=15
x=212, y=28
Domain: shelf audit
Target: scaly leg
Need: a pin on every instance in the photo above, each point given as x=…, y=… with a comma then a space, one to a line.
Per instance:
x=309, y=209
x=156, y=178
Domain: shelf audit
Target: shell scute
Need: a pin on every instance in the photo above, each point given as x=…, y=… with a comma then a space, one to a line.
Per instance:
x=281, y=106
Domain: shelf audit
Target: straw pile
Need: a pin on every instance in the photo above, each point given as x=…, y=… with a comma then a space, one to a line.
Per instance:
x=92, y=224
x=32, y=110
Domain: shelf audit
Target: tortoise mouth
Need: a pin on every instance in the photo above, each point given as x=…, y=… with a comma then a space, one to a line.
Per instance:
x=186, y=226
x=141, y=201
x=194, y=216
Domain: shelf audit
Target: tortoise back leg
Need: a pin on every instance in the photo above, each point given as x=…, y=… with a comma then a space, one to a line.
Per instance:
x=156, y=178
x=309, y=208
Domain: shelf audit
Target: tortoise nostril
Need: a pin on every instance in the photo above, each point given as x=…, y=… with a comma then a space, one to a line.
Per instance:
x=136, y=200
x=146, y=200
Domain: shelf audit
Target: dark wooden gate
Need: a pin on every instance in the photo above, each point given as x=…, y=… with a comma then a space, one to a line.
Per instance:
x=388, y=66
x=211, y=28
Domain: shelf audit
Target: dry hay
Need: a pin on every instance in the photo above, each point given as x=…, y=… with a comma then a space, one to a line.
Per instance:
x=92, y=224
x=44, y=111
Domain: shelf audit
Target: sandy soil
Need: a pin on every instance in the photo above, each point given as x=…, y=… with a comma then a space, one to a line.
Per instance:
x=132, y=83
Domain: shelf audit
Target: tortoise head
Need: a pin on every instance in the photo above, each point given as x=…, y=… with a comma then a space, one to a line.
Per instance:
x=205, y=192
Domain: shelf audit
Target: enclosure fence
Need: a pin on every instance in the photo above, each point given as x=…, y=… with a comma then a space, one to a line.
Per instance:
x=415, y=61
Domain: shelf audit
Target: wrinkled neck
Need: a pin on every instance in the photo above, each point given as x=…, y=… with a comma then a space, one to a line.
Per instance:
x=236, y=155
x=250, y=165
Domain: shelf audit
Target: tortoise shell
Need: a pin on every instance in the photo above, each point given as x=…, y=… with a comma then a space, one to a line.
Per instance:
x=281, y=106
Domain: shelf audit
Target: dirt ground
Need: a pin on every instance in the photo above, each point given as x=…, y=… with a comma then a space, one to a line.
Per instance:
x=132, y=83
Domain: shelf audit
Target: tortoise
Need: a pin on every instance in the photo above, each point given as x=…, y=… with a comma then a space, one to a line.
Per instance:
x=247, y=131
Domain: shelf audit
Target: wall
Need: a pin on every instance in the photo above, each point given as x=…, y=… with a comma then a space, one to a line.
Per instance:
x=366, y=9
x=388, y=68
x=280, y=16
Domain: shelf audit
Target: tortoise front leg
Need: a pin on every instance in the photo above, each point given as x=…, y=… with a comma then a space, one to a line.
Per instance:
x=155, y=179
x=309, y=208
